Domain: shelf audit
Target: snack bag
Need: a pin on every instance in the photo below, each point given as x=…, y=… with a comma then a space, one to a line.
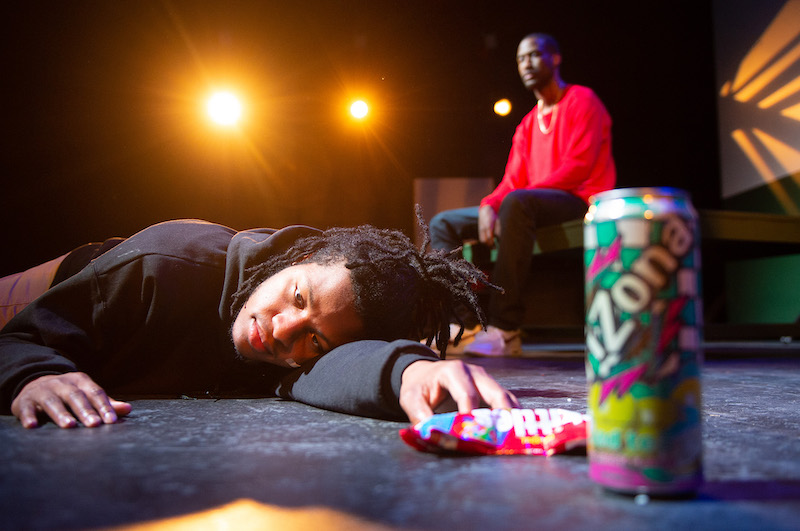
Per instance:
x=499, y=432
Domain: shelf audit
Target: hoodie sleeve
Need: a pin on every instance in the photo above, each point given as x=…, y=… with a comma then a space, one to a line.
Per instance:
x=101, y=320
x=359, y=378
x=35, y=343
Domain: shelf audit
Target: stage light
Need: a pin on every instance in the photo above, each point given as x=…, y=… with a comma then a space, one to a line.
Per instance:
x=359, y=109
x=224, y=108
x=502, y=107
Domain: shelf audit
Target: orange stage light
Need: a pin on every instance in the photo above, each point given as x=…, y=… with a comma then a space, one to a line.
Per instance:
x=502, y=107
x=359, y=109
x=224, y=108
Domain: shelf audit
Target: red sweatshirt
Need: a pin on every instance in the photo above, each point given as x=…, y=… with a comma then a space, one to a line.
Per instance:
x=575, y=156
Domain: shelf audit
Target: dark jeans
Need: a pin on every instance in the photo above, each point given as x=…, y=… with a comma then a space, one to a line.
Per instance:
x=521, y=212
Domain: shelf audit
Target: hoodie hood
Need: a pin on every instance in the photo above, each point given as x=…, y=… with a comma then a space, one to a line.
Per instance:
x=249, y=248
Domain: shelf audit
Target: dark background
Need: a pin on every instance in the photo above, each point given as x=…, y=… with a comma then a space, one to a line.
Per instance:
x=103, y=134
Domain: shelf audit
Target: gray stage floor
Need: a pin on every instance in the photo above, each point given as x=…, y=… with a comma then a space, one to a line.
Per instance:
x=261, y=464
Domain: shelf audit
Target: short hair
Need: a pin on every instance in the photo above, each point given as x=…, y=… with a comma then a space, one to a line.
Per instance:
x=549, y=43
x=401, y=291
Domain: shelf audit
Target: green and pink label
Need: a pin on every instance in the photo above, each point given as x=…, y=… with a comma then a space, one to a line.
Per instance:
x=643, y=321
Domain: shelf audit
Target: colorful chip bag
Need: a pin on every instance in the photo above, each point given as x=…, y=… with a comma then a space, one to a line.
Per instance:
x=499, y=432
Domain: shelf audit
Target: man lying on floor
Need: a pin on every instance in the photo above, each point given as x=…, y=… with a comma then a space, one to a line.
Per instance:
x=332, y=319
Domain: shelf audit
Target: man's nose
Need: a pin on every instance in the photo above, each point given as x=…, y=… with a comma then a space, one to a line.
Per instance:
x=287, y=327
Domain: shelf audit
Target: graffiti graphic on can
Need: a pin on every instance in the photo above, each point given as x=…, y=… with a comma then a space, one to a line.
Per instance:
x=643, y=360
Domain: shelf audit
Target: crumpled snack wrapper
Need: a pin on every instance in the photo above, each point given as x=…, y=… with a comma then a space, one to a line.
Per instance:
x=499, y=432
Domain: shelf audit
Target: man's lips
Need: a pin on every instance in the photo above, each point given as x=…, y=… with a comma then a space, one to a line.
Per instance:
x=254, y=337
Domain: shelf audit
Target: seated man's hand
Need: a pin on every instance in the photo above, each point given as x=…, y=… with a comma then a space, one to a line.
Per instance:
x=426, y=384
x=67, y=399
x=487, y=225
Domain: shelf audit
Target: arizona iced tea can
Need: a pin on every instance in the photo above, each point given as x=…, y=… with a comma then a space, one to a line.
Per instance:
x=643, y=337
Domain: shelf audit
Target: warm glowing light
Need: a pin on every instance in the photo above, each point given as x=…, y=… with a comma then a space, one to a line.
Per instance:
x=789, y=89
x=359, y=109
x=792, y=112
x=761, y=166
x=250, y=514
x=502, y=107
x=747, y=147
x=767, y=79
x=780, y=33
x=769, y=75
x=224, y=108
x=786, y=155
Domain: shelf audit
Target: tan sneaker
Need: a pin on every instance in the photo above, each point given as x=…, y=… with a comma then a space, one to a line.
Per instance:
x=495, y=343
x=466, y=338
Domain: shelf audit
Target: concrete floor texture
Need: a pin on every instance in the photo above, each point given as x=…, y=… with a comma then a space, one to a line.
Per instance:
x=273, y=464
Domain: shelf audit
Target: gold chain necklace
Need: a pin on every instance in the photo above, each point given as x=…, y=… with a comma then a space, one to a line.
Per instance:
x=540, y=115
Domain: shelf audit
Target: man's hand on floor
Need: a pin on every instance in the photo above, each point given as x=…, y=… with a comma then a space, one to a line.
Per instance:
x=426, y=384
x=67, y=399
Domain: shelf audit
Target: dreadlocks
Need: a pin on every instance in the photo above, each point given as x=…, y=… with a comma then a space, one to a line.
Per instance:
x=401, y=292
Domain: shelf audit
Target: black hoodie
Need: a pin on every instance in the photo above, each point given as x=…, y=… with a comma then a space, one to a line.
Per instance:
x=150, y=317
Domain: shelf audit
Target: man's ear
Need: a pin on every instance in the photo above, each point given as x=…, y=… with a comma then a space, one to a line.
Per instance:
x=556, y=59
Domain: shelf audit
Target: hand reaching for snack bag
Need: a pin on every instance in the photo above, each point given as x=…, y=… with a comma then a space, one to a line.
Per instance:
x=426, y=384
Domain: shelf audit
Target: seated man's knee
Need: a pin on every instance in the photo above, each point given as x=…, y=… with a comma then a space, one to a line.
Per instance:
x=442, y=232
x=439, y=226
x=439, y=221
x=514, y=204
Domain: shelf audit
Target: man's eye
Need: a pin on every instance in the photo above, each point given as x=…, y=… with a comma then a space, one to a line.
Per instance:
x=317, y=346
x=298, y=298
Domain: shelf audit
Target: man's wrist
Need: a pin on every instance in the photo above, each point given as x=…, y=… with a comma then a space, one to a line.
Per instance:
x=402, y=363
